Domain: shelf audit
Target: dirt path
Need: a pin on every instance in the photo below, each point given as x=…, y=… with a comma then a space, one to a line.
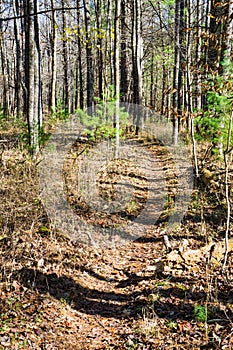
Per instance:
x=62, y=294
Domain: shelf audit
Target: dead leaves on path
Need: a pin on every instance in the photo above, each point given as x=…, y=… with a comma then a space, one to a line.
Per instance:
x=55, y=294
x=184, y=258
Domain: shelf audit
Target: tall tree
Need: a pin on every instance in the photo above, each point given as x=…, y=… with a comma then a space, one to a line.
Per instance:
x=89, y=58
x=136, y=42
x=54, y=58
x=117, y=69
x=178, y=59
x=65, y=59
x=110, y=43
x=99, y=46
x=227, y=42
x=198, y=58
x=18, y=64
x=137, y=51
x=123, y=52
x=79, y=69
x=5, y=95
x=32, y=74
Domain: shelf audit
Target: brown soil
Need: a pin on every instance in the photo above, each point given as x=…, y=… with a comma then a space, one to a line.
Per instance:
x=62, y=294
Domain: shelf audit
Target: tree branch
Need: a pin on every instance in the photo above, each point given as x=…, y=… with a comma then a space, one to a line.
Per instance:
x=40, y=13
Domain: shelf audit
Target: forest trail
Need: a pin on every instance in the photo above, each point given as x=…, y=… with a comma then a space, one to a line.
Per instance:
x=59, y=294
x=115, y=280
x=123, y=197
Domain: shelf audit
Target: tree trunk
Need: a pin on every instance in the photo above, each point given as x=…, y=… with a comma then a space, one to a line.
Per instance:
x=65, y=60
x=123, y=63
x=79, y=61
x=164, y=73
x=99, y=47
x=152, y=85
x=188, y=105
x=54, y=58
x=37, y=70
x=117, y=70
x=217, y=37
x=3, y=71
x=177, y=75
x=227, y=43
x=137, y=58
x=32, y=75
x=139, y=50
x=109, y=46
x=18, y=77
x=90, y=74
x=197, y=63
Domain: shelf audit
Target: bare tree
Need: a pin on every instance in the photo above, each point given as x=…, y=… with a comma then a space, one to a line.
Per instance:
x=65, y=60
x=32, y=74
x=89, y=60
x=178, y=59
x=117, y=70
x=54, y=58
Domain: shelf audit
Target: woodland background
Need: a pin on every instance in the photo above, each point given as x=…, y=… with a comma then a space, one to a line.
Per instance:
x=163, y=54
x=171, y=289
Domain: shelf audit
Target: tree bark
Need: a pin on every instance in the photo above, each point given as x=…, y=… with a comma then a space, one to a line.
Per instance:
x=227, y=43
x=89, y=63
x=5, y=105
x=65, y=60
x=79, y=81
x=117, y=71
x=197, y=63
x=137, y=51
x=54, y=58
x=32, y=75
x=18, y=67
x=177, y=75
x=99, y=47
x=123, y=59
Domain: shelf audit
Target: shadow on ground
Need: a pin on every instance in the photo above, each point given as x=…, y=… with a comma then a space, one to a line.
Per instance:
x=172, y=303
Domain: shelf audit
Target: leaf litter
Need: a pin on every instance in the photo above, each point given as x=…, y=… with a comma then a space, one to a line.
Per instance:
x=59, y=294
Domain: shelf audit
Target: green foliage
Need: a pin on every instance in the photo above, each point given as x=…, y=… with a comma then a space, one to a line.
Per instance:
x=44, y=231
x=12, y=124
x=60, y=112
x=2, y=115
x=101, y=123
x=209, y=127
x=172, y=325
x=213, y=124
x=23, y=137
x=200, y=313
x=132, y=207
x=134, y=345
x=86, y=119
x=43, y=136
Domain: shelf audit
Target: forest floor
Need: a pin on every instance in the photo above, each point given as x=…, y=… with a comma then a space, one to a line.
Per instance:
x=58, y=293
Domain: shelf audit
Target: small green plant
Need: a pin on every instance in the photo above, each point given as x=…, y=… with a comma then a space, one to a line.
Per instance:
x=5, y=322
x=44, y=231
x=200, y=313
x=4, y=115
x=132, y=207
x=172, y=325
x=133, y=346
x=43, y=136
x=213, y=124
x=181, y=286
x=60, y=112
x=65, y=301
x=101, y=124
x=163, y=283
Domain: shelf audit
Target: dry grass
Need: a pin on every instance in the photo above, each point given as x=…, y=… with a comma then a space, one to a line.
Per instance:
x=58, y=295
